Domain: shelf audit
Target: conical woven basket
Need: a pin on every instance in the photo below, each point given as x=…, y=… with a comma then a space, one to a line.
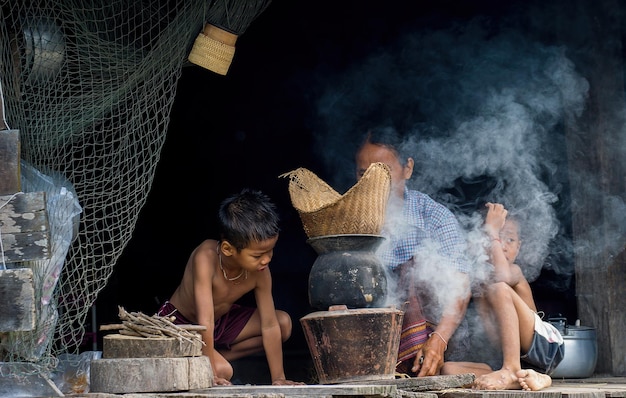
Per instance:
x=323, y=211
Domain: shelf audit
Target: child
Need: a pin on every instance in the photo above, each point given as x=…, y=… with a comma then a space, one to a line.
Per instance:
x=510, y=315
x=218, y=273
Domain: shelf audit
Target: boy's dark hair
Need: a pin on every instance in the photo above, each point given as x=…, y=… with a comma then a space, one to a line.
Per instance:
x=387, y=137
x=247, y=216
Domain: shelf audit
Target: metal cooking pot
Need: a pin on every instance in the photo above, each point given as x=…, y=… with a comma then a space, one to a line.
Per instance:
x=581, y=350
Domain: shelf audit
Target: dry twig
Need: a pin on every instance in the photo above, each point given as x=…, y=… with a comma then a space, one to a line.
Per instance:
x=141, y=325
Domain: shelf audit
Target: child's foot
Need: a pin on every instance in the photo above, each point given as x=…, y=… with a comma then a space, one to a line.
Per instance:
x=499, y=380
x=533, y=381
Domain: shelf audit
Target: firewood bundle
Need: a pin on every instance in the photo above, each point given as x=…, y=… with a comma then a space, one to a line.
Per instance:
x=138, y=324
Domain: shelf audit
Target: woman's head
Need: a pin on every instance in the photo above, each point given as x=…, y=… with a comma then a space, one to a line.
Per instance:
x=247, y=216
x=383, y=144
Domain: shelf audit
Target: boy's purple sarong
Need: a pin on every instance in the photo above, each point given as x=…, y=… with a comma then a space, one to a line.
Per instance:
x=227, y=327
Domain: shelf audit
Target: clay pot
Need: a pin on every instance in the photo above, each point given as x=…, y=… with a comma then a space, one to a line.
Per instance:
x=352, y=345
x=347, y=272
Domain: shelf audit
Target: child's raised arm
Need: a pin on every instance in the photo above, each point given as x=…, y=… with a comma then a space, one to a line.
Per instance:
x=502, y=266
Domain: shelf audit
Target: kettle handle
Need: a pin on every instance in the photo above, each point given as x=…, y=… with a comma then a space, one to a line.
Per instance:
x=560, y=323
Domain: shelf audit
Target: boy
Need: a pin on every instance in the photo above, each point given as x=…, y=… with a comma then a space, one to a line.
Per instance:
x=218, y=273
x=508, y=309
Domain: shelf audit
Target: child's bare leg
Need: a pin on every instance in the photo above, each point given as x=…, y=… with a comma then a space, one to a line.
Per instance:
x=455, y=368
x=502, y=379
x=533, y=381
x=243, y=348
x=223, y=370
x=284, y=320
x=516, y=324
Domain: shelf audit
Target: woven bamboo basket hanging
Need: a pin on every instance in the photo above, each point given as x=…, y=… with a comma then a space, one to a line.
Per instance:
x=323, y=211
x=214, y=48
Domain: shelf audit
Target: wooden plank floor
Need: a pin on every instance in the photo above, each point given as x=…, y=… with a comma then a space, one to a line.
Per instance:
x=612, y=387
x=425, y=387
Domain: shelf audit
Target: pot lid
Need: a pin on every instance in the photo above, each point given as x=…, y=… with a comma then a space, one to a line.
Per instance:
x=342, y=310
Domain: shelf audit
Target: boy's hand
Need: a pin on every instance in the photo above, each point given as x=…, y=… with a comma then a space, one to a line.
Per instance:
x=283, y=382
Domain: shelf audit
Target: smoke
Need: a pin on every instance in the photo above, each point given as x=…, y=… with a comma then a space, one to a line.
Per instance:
x=481, y=112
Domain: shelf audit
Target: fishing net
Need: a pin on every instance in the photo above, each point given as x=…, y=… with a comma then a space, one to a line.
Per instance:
x=90, y=86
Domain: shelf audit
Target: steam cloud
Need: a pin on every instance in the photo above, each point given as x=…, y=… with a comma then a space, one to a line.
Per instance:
x=481, y=114
x=482, y=109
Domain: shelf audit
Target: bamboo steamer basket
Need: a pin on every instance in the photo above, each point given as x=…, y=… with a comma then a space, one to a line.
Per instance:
x=323, y=211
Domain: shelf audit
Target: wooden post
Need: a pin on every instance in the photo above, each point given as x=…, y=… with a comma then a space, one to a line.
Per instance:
x=24, y=237
x=17, y=295
x=10, y=161
x=597, y=168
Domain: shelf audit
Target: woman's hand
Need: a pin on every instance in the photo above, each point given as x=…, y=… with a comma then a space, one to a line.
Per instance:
x=429, y=359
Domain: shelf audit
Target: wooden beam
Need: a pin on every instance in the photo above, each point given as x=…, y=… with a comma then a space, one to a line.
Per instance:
x=138, y=375
x=24, y=227
x=17, y=295
x=120, y=346
x=428, y=383
x=316, y=390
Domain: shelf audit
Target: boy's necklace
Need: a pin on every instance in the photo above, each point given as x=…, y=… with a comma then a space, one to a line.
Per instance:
x=243, y=271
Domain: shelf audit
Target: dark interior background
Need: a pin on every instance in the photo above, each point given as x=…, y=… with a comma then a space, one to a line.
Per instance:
x=259, y=121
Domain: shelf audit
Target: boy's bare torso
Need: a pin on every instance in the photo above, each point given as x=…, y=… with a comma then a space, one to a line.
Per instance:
x=204, y=262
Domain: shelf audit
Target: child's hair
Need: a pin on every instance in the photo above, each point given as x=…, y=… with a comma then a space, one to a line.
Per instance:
x=518, y=218
x=247, y=216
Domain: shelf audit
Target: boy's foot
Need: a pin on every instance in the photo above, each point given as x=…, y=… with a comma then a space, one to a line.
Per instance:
x=499, y=380
x=533, y=381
